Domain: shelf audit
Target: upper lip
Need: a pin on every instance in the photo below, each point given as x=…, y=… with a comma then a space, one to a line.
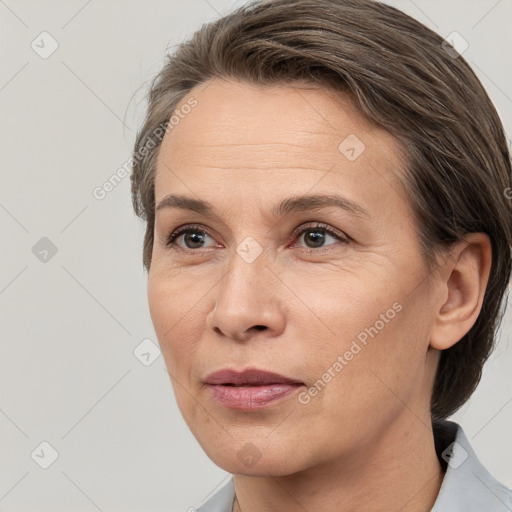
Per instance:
x=251, y=376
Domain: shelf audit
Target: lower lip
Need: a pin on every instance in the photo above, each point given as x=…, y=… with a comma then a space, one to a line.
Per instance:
x=251, y=397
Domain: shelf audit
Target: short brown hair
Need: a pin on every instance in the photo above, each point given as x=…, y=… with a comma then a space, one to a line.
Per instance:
x=404, y=78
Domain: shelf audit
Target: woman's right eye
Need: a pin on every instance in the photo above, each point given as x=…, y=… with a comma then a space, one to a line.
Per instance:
x=189, y=238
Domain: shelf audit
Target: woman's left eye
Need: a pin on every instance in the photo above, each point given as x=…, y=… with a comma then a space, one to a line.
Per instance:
x=319, y=235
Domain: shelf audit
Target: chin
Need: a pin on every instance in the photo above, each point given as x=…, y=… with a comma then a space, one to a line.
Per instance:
x=263, y=468
x=247, y=458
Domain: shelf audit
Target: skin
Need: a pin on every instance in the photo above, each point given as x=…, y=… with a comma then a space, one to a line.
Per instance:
x=364, y=442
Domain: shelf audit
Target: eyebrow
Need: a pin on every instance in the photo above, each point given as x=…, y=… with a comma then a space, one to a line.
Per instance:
x=288, y=205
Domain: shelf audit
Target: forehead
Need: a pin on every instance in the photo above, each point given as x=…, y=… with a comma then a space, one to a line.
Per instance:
x=267, y=140
x=236, y=117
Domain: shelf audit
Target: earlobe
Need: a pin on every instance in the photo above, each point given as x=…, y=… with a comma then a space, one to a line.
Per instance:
x=462, y=287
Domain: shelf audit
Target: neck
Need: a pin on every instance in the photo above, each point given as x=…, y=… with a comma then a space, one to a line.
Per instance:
x=397, y=471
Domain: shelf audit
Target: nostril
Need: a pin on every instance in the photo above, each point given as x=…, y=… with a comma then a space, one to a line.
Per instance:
x=260, y=327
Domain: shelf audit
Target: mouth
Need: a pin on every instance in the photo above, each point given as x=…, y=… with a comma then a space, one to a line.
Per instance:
x=249, y=377
x=251, y=388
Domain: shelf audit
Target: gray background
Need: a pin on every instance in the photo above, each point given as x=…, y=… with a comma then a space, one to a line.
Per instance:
x=70, y=323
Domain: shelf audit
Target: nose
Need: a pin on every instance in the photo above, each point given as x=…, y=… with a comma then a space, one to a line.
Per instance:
x=247, y=302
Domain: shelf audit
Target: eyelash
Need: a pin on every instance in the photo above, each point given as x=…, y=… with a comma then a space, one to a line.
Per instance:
x=320, y=227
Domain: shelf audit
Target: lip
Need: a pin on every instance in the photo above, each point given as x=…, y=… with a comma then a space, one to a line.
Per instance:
x=250, y=376
x=251, y=388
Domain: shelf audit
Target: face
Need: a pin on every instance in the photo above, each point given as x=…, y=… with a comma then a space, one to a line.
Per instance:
x=294, y=251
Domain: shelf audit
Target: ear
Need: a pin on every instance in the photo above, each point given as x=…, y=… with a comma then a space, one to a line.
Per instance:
x=462, y=283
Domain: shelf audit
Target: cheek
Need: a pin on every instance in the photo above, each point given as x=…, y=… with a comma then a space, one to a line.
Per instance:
x=174, y=309
x=161, y=302
x=374, y=336
x=178, y=335
x=345, y=304
x=171, y=297
x=383, y=365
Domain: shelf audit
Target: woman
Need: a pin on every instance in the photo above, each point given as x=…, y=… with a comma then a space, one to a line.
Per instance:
x=328, y=246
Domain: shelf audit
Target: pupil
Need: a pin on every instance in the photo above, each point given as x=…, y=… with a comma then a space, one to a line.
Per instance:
x=194, y=240
x=316, y=237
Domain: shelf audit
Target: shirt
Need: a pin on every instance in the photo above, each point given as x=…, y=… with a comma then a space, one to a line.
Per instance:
x=467, y=486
